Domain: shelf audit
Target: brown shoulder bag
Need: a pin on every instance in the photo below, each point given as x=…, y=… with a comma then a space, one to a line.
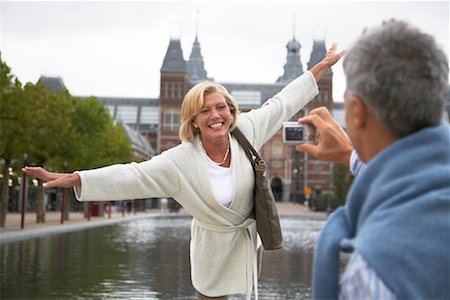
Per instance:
x=265, y=209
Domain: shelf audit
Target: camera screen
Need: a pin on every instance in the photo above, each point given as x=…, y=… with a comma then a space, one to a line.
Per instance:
x=294, y=133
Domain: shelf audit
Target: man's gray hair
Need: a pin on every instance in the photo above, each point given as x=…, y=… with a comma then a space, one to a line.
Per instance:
x=401, y=74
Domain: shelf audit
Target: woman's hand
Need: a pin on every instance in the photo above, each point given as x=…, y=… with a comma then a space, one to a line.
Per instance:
x=331, y=57
x=63, y=180
x=334, y=144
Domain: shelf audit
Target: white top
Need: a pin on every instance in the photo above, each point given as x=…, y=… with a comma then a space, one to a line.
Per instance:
x=356, y=165
x=360, y=281
x=221, y=182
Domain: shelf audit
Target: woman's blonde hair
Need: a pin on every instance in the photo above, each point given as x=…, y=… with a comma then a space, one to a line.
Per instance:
x=193, y=103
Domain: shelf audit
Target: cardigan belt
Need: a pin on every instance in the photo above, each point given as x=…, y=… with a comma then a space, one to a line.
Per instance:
x=249, y=226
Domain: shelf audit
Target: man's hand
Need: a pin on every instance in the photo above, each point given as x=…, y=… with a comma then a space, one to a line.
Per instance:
x=333, y=144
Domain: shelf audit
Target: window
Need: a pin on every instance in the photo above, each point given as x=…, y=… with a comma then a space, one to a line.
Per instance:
x=178, y=91
x=171, y=92
x=171, y=121
x=149, y=115
x=323, y=97
x=318, y=165
x=127, y=114
x=250, y=98
x=110, y=110
x=165, y=90
x=277, y=149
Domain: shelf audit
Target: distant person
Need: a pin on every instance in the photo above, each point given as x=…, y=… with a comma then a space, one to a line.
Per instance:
x=396, y=220
x=164, y=205
x=210, y=175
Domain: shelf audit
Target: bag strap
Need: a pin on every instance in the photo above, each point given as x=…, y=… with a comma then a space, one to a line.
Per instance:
x=251, y=153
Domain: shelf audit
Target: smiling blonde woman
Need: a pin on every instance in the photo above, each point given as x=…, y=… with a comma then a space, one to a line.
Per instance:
x=209, y=175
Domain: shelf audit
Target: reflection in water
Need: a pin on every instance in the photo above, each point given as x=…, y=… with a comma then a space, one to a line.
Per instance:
x=142, y=259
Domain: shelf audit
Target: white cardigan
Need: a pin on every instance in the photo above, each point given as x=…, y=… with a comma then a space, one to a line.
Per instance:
x=223, y=240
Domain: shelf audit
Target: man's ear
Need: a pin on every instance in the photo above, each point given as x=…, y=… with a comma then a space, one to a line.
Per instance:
x=360, y=112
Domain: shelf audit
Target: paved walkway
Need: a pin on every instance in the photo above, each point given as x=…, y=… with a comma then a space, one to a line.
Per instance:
x=77, y=221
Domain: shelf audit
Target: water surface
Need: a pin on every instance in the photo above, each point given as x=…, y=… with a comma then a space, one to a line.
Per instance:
x=141, y=259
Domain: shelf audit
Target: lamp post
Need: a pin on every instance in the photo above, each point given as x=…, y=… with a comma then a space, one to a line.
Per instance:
x=109, y=209
x=89, y=210
x=294, y=186
x=24, y=192
x=63, y=200
x=305, y=170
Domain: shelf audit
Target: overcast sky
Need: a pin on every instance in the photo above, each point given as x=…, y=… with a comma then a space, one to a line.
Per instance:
x=113, y=48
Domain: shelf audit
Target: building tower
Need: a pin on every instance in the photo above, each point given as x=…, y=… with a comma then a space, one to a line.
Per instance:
x=293, y=67
x=315, y=175
x=284, y=183
x=173, y=87
x=325, y=98
x=195, y=65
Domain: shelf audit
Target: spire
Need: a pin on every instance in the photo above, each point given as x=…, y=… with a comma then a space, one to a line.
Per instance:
x=196, y=24
x=317, y=54
x=293, y=29
x=293, y=67
x=54, y=84
x=195, y=64
x=174, y=61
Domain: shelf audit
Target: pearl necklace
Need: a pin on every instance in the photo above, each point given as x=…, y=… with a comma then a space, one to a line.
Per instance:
x=224, y=158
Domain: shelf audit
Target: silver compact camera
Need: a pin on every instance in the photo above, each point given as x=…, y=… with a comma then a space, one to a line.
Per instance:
x=295, y=133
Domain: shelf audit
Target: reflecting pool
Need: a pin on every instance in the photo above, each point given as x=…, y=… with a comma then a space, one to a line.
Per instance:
x=141, y=259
